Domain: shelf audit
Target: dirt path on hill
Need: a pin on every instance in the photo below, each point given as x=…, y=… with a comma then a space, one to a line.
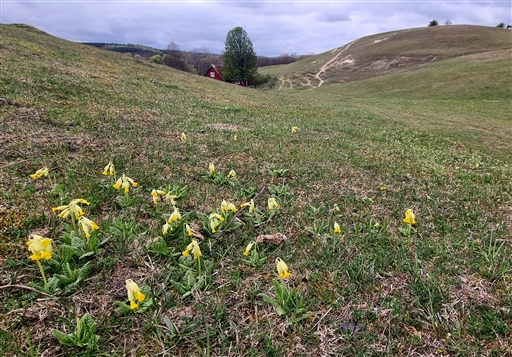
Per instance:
x=283, y=81
x=326, y=66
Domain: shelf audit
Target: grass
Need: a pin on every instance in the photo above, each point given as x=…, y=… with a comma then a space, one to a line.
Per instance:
x=377, y=288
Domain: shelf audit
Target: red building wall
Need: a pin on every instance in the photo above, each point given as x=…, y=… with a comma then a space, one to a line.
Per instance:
x=212, y=73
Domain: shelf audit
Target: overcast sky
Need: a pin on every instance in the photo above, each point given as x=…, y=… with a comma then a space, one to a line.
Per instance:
x=275, y=27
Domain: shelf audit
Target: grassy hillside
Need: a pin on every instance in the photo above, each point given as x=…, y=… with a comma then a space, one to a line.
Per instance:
x=394, y=51
x=424, y=78
x=377, y=286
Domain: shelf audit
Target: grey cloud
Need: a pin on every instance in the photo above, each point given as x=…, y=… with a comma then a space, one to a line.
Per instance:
x=333, y=17
x=274, y=27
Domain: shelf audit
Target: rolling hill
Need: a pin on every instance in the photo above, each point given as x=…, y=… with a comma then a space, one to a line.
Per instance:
x=391, y=52
x=366, y=218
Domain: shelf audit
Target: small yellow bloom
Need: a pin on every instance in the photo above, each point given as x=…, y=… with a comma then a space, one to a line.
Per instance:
x=336, y=208
x=234, y=137
x=194, y=248
x=272, y=203
x=134, y=294
x=166, y=228
x=183, y=137
x=40, y=173
x=109, y=169
x=249, y=247
x=155, y=193
x=211, y=168
x=215, y=220
x=409, y=217
x=226, y=206
x=231, y=174
x=250, y=205
x=294, y=129
x=41, y=248
x=87, y=225
x=337, y=228
x=282, y=269
x=188, y=230
x=73, y=207
x=175, y=216
x=124, y=182
x=170, y=198
x=383, y=188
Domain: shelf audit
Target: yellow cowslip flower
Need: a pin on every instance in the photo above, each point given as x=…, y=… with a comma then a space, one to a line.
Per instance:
x=272, y=203
x=227, y=206
x=249, y=247
x=155, y=194
x=383, y=188
x=41, y=248
x=87, y=225
x=231, y=174
x=134, y=294
x=109, y=169
x=282, y=269
x=170, y=198
x=166, y=228
x=215, y=220
x=211, y=168
x=409, y=217
x=294, y=129
x=337, y=228
x=188, y=230
x=175, y=216
x=194, y=248
x=73, y=208
x=336, y=208
x=234, y=137
x=40, y=173
x=183, y=137
x=124, y=182
x=250, y=205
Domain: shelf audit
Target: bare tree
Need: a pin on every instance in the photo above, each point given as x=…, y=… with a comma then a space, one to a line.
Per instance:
x=196, y=55
x=174, y=50
x=448, y=22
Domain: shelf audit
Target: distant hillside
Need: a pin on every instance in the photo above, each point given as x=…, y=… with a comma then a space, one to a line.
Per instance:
x=141, y=50
x=390, y=52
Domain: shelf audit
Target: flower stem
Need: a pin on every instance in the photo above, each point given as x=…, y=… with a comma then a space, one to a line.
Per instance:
x=42, y=273
x=73, y=220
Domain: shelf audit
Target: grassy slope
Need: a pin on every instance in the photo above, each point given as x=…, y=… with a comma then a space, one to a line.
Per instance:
x=462, y=96
x=369, y=291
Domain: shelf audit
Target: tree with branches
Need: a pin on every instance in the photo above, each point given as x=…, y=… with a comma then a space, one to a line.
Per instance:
x=240, y=60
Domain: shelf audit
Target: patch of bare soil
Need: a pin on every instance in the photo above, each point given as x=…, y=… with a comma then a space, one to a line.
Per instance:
x=228, y=127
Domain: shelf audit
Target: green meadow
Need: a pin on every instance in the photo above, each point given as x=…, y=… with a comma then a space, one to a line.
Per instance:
x=319, y=179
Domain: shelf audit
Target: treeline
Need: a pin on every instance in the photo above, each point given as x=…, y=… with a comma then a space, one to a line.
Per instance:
x=197, y=60
x=282, y=59
x=141, y=50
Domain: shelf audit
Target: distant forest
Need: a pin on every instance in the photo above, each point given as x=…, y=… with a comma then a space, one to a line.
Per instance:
x=197, y=60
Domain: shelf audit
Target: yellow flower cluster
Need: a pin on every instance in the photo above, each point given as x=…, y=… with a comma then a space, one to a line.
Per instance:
x=72, y=208
x=194, y=248
x=40, y=173
x=124, y=182
x=134, y=294
x=109, y=169
x=409, y=217
x=41, y=248
x=282, y=269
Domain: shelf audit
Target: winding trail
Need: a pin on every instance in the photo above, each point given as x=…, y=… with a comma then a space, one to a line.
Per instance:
x=326, y=66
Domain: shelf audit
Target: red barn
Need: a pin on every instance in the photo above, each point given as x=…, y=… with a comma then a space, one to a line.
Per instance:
x=215, y=73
